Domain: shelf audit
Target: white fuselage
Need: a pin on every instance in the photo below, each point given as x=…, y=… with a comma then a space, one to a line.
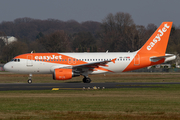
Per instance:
x=42, y=66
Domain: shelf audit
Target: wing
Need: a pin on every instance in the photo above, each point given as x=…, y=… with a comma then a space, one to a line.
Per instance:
x=94, y=64
x=87, y=68
x=84, y=68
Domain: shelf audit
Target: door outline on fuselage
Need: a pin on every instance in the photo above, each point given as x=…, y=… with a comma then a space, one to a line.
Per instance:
x=29, y=61
x=71, y=61
x=137, y=60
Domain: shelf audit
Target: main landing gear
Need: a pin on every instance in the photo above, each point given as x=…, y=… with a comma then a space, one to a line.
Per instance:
x=29, y=79
x=86, y=80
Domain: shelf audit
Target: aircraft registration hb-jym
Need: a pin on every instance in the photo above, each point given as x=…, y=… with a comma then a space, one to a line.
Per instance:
x=64, y=66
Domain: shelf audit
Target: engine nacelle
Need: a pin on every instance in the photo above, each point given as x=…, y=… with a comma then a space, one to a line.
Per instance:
x=62, y=74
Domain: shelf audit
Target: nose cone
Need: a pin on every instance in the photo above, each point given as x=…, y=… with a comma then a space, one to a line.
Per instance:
x=6, y=67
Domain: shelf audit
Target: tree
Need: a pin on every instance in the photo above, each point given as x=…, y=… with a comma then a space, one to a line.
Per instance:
x=2, y=44
x=119, y=32
x=36, y=47
x=174, y=41
x=83, y=39
x=141, y=36
x=39, y=35
x=56, y=42
x=13, y=49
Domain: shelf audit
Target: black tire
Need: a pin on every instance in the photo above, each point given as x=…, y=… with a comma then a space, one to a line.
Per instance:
x=29, y=81
x=86, y=80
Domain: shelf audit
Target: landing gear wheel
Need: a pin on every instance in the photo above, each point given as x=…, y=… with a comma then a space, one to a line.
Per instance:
x=86, y=80
x=29, y=81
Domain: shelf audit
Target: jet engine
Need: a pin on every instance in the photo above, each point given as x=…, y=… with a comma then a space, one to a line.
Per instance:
x=63, y=74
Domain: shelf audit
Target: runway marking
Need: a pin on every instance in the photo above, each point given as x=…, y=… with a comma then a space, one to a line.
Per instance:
x=55, y=89
x=66, y=88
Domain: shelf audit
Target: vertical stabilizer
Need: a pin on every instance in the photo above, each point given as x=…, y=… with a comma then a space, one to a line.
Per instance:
x=153, y=51
x=157, y=43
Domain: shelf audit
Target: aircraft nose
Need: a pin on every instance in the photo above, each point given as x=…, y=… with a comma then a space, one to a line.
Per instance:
x=6, y=67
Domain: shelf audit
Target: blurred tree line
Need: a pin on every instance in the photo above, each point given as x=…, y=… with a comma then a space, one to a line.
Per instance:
x=116, y=33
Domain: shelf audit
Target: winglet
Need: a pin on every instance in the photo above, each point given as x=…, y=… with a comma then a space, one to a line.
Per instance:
x=113, y=60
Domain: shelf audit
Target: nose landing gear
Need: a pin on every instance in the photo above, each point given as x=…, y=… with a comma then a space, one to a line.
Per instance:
x=29, y=79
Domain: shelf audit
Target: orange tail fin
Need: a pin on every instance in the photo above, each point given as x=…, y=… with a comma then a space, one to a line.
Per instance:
x=157, y=43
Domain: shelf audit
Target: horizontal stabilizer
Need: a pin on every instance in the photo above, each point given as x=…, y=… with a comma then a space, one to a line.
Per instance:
x=167, y=57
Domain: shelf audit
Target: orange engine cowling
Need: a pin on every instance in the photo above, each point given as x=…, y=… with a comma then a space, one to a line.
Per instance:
x=62, y=74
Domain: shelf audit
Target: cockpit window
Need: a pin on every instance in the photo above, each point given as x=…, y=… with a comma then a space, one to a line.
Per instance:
x=16, y=60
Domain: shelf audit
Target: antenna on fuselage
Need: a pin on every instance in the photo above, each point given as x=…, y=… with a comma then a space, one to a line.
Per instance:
x=33, y=51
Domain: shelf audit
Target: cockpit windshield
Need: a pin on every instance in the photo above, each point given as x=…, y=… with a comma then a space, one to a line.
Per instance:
x=16, y=60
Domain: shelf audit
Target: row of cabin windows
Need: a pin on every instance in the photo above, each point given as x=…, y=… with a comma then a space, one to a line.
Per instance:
x=122, y=59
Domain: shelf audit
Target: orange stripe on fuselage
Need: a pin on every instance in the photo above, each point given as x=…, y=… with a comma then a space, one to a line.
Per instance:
x=143, y=62
x=52, y=58
x=55, y=58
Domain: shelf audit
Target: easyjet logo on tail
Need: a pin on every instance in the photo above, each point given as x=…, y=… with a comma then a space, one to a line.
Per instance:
x=158, y=37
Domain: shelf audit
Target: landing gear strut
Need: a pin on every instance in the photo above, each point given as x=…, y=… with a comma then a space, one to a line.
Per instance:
x=29, y=79
x=86, y=80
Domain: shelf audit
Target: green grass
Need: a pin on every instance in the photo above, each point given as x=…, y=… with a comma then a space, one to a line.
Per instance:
x=157, y=102
x=122, y=77
x=143, y=103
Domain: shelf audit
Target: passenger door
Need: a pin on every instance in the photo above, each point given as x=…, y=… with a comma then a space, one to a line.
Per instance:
x=29, y=61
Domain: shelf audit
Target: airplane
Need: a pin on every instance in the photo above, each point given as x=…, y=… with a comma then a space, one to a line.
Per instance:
x=64, y=66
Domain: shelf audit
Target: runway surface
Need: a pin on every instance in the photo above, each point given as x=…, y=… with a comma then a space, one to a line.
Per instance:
x=77, y=86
